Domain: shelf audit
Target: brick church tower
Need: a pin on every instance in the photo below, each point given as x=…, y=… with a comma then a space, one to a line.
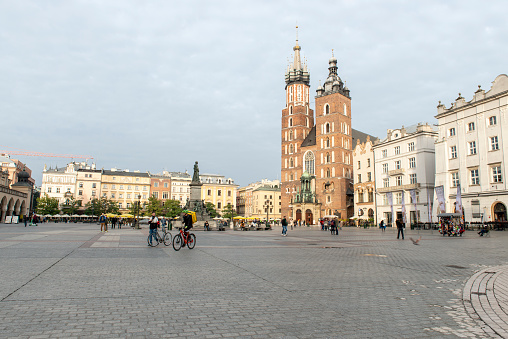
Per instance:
x=297, y=121
x=316, y=161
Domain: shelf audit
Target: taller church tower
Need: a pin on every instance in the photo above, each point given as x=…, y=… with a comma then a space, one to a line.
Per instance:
x=297, y=122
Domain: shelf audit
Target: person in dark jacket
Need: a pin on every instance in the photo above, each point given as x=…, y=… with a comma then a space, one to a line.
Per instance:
x=400, y=228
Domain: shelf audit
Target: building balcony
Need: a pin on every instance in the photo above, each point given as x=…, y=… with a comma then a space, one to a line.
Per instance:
x=398, y=188
x=396, y=172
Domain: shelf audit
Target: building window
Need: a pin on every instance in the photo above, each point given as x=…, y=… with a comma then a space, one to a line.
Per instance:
x=385, y=168
x=451, y=132
x=113, y=187
x=49, y=189
x=492, y=121
x=470, y=127
x=475, y=179
x=112, y=195
x=411, y=146
x=359, y=165
x=80, y=185
x=397, y=150
x=68, y=190
x=371, y=196
x=369, y=176
x=412, y=178
x=128, y=205
x=94, y=185
x=494, y=144
x=417, y=196
x=398, y=198
x=455, y=179
x=386, y=182
x=219, y=193
x=309, y=162
x=453, y=152
x=472, y=148
x=119, y=205
x=165, y=185
x=327, y=143
x=291, y=163
x=58, y=190
x=412, y=162
x=165, y=195
x=209, y=192
x=328, y=158
x=397, y=164
x=398, y=180
x=384, y=153
x=105, y=186
x=359, y=178
x=290, y=123
x=155, y=195
x=93, y=193
x=496, y=174
x=80, y=192
x=144, y=188
x=368, y=162
x=136, y=188
x=121, y=187
x=120, y=196
x=360, y=196
x=128, y=195
x=327, y=128
x=328, y=173
x=156, y=184
x=229, y=193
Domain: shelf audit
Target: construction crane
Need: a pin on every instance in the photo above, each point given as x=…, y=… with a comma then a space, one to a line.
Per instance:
x=41, y=154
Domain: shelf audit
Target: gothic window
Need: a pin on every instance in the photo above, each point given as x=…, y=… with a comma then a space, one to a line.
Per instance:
x=291, y=149
x=290, y=110
x=309, y=162
x=327, y=128
x=326, y=109
x=290, y=135
x=328, y=158
x=299, y=93
x=291, y=163
x=290, y=123
x=307, y=122
x=327, y=143
x=328, y=173
x=345, y=109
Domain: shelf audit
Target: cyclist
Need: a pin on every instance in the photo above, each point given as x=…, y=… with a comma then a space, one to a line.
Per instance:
x=154, y=224
x=187, y=222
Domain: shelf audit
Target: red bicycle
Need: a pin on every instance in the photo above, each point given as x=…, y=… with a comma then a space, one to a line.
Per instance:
x=184, y=238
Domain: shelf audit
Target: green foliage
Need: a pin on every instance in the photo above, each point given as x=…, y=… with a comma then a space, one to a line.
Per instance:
x=172, y=208
x=102, y=205
x=229, y=212
x=154, y=205
x=71, y=206
x=47, y=205
x=211, y=209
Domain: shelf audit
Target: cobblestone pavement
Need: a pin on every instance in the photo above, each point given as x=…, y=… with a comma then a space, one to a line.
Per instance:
x=70, y=280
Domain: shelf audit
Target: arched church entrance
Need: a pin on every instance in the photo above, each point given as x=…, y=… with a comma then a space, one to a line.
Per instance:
x=308, y=217
x=499, y=212
x=298, y=215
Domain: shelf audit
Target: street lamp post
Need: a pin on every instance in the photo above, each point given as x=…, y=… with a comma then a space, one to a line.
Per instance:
x=267, y=206
x=137, y=218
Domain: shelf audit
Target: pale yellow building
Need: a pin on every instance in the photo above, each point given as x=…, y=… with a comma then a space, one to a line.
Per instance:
x=266, y=202
x=218, y=190
x=125, y=187
x=88, y=185
x=245, y=197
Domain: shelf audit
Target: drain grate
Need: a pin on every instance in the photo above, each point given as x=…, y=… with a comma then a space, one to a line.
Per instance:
x=456, y=266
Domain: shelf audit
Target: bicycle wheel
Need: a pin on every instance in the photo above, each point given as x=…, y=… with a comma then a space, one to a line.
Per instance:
x=167, y=239
x=155, y=240
x=191, y=241
x=177, y=242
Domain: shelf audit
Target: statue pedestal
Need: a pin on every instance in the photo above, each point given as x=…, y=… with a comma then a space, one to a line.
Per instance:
x=195, y=191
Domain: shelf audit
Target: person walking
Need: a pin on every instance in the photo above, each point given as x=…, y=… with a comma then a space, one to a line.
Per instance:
x=104, y=225
x=284, y=224
x=400, y=228
x=382, y=226
x=332, y=226
x=337, y=225
x=154, y=223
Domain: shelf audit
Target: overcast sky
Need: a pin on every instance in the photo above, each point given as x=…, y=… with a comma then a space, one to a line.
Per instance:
x=154, y=85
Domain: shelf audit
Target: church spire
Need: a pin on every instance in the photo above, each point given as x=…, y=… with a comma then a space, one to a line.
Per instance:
x=295, y=72
x=297, y=64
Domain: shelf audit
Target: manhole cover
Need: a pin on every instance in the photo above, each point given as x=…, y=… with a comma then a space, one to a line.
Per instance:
x=456, y=266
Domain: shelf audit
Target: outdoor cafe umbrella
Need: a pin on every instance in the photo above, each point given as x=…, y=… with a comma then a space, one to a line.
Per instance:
x=127, y=215
x=238, y=218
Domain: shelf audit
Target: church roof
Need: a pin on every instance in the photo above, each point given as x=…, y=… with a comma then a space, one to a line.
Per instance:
x=310, y=140
x=362, y=137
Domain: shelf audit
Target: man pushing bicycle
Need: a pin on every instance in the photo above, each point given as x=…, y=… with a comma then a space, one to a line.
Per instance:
x=154, y=224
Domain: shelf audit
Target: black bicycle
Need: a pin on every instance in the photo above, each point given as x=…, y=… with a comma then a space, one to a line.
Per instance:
x=166, y=238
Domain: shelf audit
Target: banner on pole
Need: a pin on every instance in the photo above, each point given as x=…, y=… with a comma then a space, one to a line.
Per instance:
x=389, y=196
x=458, y=201
x=441, y=198
x=429, y=206
x=403, y=208
x=413, y=196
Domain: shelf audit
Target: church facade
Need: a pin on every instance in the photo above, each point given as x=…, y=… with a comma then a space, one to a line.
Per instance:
x=316, y=161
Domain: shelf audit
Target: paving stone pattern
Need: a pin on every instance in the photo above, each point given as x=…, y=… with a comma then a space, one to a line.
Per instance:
x=71, y=280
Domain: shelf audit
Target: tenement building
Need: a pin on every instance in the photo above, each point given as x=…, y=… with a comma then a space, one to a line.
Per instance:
x=245, y=198
x=364, y=179
x=404, y=173
x=316, y=161
x=471, y=149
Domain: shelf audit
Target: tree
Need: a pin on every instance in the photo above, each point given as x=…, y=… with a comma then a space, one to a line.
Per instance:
x=71, y=206
x=102, y=205
x=229, y=212
x=154, y=205
x=47, y=205
x=210, y=208
x=172, y=208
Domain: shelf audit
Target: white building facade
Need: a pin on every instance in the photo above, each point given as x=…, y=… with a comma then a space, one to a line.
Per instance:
x=472, y=150
x=405, y=161
x=364, y=180
x=60, y=183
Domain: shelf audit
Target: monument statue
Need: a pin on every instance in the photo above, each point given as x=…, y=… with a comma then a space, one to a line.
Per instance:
x=195, y=176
